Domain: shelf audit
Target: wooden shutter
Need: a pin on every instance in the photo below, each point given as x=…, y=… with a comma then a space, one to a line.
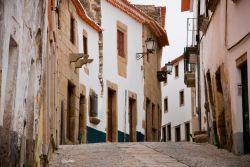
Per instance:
x=85, y=45
x=93, y=105
x=120, y=43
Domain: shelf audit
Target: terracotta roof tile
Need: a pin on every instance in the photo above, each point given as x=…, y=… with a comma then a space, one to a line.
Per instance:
x=177, y=59
x=143, y=18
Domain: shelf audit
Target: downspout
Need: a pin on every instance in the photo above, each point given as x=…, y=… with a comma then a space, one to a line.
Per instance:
x=198, y=70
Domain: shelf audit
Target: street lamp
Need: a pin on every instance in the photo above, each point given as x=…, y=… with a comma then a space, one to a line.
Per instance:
x=150, y=45
x=169, y=67
x=162, y=75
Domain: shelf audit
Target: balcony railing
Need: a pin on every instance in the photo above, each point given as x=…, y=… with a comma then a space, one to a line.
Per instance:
x=190, y=60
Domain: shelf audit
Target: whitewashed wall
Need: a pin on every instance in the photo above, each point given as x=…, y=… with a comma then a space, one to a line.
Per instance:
x=134, y=81
x=177, y=115
x=91, y=80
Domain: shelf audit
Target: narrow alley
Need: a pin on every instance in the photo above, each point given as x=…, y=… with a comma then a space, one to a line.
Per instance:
x=124, y=83
x=146, y=154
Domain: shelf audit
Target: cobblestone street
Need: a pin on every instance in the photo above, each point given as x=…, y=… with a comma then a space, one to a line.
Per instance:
x=146, y=155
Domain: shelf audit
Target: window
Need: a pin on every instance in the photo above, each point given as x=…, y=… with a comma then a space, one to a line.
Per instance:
x=177, y=71
x=153, y=115
x=85, y=44
x=120, y=43
x=122, y=49
x=182, y=98
x=72, y=30
x=93, y=102
x=166, y=104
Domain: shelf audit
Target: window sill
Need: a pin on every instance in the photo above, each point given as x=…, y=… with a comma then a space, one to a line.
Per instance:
x=94, y=120
x=122, y=59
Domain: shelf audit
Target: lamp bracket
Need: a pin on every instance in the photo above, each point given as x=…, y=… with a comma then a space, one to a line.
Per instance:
x=140, y=55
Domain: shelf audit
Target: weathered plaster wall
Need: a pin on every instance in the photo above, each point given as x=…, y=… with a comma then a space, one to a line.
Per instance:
x=220, y=48
x=23, y=49
x=238, y=44
x=213, y=57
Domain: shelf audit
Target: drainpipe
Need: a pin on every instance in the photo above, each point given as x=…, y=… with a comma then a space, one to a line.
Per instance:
x=198, y=69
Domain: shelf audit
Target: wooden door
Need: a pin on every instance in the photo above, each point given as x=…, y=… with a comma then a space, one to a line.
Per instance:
x=110, y=111
x=244, y=81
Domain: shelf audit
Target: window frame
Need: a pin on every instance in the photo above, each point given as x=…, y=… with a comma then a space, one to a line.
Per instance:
x=122, y=61
x=85, y=43
x=72, y=30
x=165, y=106
x=176, y=72
x=121, y=43
x=180, y=98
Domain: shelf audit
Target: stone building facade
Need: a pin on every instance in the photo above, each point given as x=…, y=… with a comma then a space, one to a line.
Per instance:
x=152, y=64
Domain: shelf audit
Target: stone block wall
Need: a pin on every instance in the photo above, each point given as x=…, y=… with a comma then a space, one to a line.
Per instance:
x=152, y=89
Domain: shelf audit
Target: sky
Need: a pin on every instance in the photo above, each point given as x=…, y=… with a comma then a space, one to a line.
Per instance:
x=176, y=23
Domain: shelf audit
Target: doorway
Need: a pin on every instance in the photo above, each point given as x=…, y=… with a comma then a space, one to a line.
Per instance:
x=154, y=121
x=148, y=120
x=164, y=137
x=169, y=132
x=220, y=110
x=177, y=134
x=70, y=111
x=187, y=131
x=112, y=122
x=245, y=107
x=132, y=120
x=82, y=120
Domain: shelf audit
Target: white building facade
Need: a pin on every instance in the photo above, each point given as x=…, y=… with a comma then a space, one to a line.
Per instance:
x=113, y=97
x=177, y=105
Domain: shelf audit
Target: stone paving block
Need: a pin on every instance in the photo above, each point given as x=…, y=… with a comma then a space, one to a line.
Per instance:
x=146, y=155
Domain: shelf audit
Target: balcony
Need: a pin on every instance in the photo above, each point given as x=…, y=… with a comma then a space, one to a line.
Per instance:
x=189, y=79
x=191, y=54
x=190, y=60
x=212, y=5
x=203, y=23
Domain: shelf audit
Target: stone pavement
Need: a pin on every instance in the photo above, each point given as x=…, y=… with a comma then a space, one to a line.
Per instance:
x=147, y=154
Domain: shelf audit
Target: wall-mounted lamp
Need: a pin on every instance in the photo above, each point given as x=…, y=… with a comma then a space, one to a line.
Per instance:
x=162, y=75
x=169, y=67
x=150, y=45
